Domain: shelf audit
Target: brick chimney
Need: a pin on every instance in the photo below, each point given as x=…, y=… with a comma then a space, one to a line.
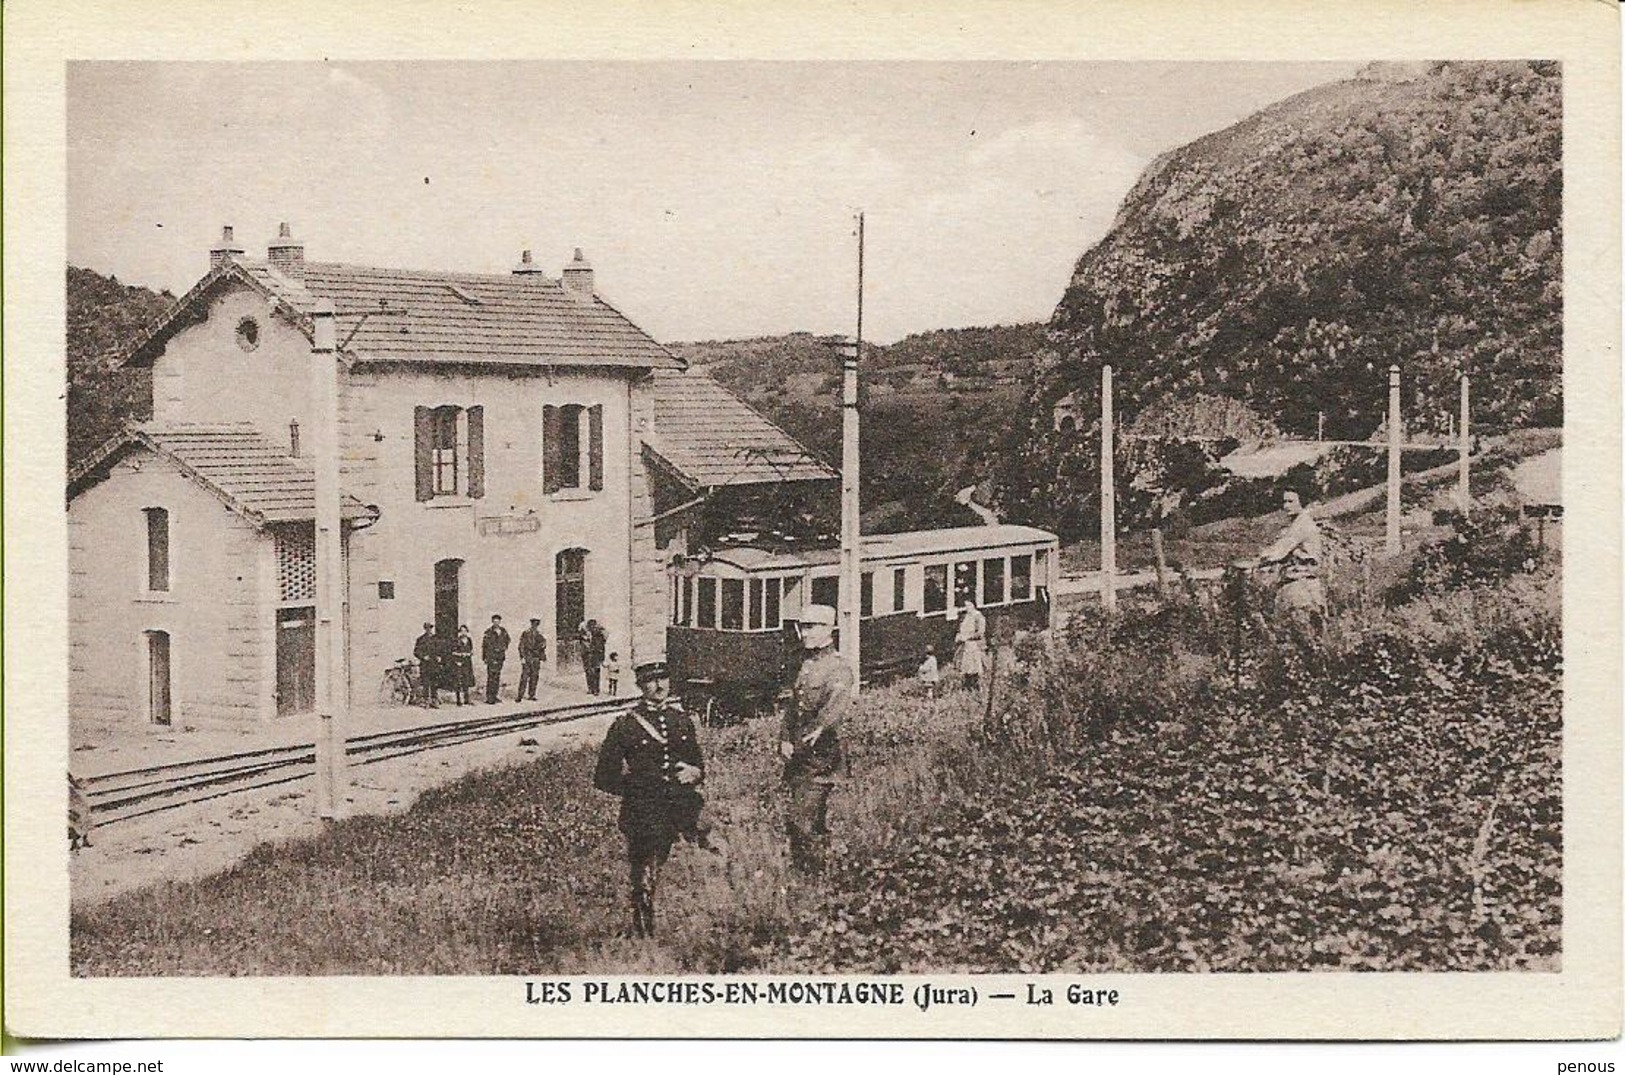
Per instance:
x=578, y=278
x=287, y=254
x=526, y=266
x=227, y=248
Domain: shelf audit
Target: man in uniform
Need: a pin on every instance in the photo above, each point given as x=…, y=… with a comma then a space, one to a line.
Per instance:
x=494, y=652
x=1300, y=597
x=651, y=759
x=532, y=652
x=808, y=743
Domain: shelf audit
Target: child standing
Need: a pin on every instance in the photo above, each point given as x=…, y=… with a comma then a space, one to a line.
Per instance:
x=612, y=672
x=929, y=674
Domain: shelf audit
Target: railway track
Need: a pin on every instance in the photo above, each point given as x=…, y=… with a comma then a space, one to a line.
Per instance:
x=133, y=793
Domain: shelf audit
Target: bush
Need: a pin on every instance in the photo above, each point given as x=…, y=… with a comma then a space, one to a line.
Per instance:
x=1491, y=545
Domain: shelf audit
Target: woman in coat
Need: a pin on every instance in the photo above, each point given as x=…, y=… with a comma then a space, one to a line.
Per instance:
x=462, y=664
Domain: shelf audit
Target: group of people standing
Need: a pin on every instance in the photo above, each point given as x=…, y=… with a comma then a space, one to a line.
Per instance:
x=447, y=664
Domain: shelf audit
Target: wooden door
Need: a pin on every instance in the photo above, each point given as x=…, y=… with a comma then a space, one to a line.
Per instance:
x=158, y=687
x=295, y=660
x=569, y=602
x=447, y=598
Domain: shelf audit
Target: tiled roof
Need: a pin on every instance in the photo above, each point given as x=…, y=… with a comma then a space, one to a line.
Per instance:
x=233, y=461
x=712, y=437
x=400, y=315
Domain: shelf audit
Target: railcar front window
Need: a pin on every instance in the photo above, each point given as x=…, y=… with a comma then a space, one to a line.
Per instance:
x=733, y=604
x=1021, y=578
x=993, y=581
x=964, y=582
x=756, y=589
x=866, y=594
x=707, y=616
x=899, y=589
x=771, y=618
x=936, y=587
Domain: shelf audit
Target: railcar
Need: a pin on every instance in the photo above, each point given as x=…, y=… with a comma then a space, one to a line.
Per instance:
x=731, y=641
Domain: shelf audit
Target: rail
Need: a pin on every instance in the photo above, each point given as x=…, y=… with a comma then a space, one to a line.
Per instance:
x=132, y=793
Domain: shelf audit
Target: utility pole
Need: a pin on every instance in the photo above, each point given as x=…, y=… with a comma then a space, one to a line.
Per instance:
x=1108, y=502
x=1395, y=440
x=332, y=680
x=1465, y=450
x=851, y=532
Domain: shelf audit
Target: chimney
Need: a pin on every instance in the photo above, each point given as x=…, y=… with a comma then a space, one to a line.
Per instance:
x=527, y=266
x=293, y=437
x=287, y=254
x=578, y=278
x=226, y=249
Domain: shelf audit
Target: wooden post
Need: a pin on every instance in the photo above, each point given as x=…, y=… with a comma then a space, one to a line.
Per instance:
x=1108, y=503
x=1395, y=440
x=1465, y=449
x=332, y=695
x=1162, y=561
x=851, y=531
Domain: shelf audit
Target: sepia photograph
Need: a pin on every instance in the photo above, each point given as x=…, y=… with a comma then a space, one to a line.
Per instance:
x=778, y=534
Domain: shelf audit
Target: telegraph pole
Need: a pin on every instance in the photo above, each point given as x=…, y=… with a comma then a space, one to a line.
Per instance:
x=851, y=531
x=1108, y=501
x=1465, y=450
x=332, y=694
x=1395, y=440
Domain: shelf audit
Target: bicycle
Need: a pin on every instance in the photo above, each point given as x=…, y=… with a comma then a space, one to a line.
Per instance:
x=400, y=683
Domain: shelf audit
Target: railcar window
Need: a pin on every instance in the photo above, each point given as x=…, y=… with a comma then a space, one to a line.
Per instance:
x=1021, y=578
x=688, y=602
x=936, y=587
x=733, y=604
x=755, y=603
x=827, y=591
x=899, y=591
x=707, y=614
x=993, y=580
x=964, y=582
x=770, y=605
x=866, y=594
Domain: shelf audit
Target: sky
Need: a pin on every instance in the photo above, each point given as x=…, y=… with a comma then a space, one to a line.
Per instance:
x=715, y=200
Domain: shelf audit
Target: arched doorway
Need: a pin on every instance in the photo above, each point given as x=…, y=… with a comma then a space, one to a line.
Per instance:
x=569, y=602
x=448, y=599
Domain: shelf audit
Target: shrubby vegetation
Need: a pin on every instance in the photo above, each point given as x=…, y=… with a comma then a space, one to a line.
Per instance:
x=104, y=317
x=1409, y=215
x=1186, y=788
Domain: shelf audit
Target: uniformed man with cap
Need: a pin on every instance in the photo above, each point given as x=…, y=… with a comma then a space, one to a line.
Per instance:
x=808, y=741
x=651, y=759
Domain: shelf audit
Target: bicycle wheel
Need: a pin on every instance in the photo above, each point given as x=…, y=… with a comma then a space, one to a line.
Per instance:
x=389, y=688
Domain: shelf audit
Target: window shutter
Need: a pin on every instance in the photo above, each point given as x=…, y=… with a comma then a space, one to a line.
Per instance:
x=550, y=449
x=423, y=436
x=595, y=446
x=476, y=451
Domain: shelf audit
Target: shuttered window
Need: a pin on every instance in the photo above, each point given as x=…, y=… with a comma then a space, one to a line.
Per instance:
x=572, y=447
x=157, y=550
x=441, y=436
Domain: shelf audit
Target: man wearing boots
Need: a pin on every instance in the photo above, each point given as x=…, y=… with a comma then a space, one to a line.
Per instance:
x=651, y=759
x=808, y=743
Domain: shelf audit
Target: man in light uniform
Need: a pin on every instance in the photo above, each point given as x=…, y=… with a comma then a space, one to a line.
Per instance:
x=1300, y=596
x=808, y=742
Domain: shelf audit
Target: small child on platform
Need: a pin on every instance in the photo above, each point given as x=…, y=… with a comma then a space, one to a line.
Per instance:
x=929, y=674
x=612, y=672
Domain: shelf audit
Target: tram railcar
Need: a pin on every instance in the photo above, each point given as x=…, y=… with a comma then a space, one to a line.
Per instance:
x=731, y=639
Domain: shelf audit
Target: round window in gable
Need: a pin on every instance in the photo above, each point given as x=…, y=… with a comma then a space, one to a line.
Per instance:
x=248, y=334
